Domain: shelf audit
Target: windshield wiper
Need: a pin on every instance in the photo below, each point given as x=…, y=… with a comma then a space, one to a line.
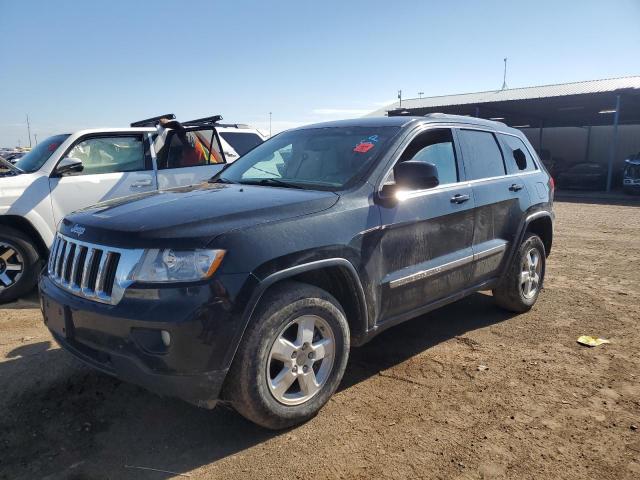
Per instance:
x=273, y=181
x=220, y=180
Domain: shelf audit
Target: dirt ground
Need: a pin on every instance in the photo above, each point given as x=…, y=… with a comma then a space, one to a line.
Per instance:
x=413, y=403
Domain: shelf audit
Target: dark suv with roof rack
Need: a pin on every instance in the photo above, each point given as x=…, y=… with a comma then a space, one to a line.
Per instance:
x=253, y=287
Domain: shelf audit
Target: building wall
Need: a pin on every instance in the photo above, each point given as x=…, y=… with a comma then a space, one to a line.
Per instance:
x=568, y=145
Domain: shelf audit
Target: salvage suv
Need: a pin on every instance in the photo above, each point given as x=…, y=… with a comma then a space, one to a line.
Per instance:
x=71, y=171
x=252, y=288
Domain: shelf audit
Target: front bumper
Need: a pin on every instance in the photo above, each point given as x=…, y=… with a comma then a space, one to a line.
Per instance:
x=123, y=340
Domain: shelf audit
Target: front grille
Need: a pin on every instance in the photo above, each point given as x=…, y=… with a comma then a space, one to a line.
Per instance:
x=84, y=269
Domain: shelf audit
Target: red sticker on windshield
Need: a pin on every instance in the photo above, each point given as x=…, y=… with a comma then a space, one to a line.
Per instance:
x=53, y=146
x=363, y=147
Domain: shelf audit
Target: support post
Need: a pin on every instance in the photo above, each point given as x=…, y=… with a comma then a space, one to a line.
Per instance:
x=614, y=143
x=586, y=152
x=540, y=138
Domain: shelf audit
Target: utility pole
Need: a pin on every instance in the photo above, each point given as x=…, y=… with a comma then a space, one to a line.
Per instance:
x=420, y=94
x=400, y=98
x=270, y=114
x=36, y=137
x=29, y=130
x=504, y=76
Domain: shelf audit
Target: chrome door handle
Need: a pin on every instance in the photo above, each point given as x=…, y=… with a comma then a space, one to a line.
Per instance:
x=140, y=184
x=458, y=198
x=515, y=187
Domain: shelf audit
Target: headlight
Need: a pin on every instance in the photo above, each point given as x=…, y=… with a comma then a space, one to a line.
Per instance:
x=168, y=265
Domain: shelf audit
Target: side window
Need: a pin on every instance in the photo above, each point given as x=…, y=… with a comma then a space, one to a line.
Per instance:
x=193, y=148
x=517, y=155
x=435, y=147
x=110, y=154
x=481, y=153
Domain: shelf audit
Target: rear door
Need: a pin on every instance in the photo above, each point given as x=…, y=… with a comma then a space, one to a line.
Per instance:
x=115, y=165
x=500, y=200
x=426, y=249
x=189, y=158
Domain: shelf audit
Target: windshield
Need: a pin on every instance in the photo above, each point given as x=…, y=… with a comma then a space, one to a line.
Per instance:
x=34, y=160
x=241, y=142
x=314, y=158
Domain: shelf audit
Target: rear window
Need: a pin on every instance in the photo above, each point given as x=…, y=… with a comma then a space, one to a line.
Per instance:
x=516, y=154
x=481, y=154
x=34, y=160
x=241, y=142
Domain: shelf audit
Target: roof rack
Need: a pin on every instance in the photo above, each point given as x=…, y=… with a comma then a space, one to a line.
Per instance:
x=203, y=121
x=153, y=121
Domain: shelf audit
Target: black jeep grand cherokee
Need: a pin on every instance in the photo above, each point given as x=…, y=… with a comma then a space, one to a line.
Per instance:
x=252, y=287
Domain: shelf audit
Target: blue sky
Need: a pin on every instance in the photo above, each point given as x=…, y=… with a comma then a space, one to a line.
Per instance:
x=78, y=64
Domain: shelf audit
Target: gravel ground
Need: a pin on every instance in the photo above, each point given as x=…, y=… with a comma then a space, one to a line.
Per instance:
x=413, y=404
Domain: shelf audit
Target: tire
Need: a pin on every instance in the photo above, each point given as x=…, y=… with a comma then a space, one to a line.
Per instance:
x=17, y=249
x=512, y=293
x=253, y=387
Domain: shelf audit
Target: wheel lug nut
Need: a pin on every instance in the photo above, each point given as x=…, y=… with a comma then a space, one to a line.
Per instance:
x=295, y=369
x=312, y=355
x=294, y=354
x=305, y=369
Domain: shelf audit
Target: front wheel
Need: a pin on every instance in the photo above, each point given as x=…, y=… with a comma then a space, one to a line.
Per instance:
x=519, y=289
x=292, y=357
x=19, y=264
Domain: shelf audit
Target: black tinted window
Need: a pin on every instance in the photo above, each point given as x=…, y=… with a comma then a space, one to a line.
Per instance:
x=517, y=155
x=481, y=153
x=241, y=142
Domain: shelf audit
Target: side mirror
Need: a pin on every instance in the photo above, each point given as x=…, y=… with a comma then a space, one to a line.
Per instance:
x=416, y=175
x=69, y=165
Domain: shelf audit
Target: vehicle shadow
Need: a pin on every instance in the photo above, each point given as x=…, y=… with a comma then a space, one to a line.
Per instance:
x=29, y=300
x=72, y=422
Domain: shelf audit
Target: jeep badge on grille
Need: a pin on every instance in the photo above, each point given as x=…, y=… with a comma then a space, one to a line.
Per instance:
x=77, y=229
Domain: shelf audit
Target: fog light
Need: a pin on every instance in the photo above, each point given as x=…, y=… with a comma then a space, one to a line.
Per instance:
x=166, y=338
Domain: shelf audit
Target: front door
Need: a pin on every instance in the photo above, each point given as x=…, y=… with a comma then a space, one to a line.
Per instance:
x=113, y=166
x=426, y=252
x=187, y=157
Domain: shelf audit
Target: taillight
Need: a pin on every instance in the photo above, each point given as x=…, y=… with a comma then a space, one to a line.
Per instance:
x=552, y=184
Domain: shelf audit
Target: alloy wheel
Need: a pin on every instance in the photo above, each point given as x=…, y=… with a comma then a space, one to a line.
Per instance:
x=530, y=274
x=300, y=360
x=11, y=265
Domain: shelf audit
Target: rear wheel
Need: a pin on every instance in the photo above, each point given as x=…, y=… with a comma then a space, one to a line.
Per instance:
x=519, y=289
x=19, y=264
x=292, y=357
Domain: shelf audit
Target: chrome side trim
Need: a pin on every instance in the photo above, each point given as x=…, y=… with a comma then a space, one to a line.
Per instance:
x=414, y=277
x=445, y=267
x=489, y=252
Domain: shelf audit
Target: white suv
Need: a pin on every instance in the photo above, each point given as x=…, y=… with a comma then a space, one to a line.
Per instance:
x=71, y=171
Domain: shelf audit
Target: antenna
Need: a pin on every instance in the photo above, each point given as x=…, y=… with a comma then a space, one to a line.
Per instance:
x=400, y=98
x=504, y=76
x=29, y=130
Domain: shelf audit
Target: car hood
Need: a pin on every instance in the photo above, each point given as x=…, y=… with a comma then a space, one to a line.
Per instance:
x=15, y=187
x=190, y=217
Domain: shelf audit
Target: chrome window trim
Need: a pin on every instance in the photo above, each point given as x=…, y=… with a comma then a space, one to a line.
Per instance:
x=459, y=183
